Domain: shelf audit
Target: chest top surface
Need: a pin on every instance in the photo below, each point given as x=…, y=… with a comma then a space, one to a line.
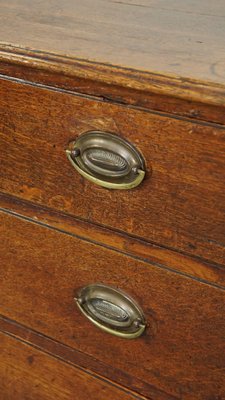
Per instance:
x=181, y=38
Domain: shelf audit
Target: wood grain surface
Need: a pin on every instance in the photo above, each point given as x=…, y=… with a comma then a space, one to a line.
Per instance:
x=152, y=72
x=27, y=373
x=181, y=352
x=159, y=256
x=185, y=97
x=80, y=359
x=176, y=37
x=180, y=204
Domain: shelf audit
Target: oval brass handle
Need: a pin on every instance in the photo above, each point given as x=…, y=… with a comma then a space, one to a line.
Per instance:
x=107, y=160
x=111, y=310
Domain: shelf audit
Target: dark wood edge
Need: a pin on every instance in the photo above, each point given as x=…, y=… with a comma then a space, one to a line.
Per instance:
x=198, y=100
x=135, y=387
x=161, y=257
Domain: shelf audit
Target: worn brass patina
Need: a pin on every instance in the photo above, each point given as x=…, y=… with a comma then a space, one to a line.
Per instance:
x=111, y=310
x=107, y=160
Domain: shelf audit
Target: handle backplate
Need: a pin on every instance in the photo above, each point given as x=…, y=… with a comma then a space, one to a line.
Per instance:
x=107, y=160
x=111, y=310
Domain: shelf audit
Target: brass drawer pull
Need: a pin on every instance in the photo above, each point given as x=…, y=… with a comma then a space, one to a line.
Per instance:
x=111, y=310
x=107, y=160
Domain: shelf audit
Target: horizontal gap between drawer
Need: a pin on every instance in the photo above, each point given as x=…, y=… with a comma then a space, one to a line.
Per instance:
x=105, y=99
x=16, y=209
x=81, y=361
x=199, y=98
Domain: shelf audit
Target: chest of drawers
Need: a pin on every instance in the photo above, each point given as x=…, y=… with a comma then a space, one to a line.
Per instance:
x=141, y=216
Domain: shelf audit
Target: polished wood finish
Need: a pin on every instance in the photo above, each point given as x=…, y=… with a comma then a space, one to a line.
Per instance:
x=181, y=353
x=173, y=207
x=158, y=256
x=153, y=73
x=36, y=375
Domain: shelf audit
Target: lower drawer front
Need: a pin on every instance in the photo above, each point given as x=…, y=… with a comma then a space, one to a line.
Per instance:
x=30, y=374
x=181, y=351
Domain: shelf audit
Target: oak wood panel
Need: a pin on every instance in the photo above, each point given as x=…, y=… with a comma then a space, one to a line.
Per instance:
x=159, y=256
x=80, y=359
x=181, y=352
x=26, y=373
x=176, y=37
x=184, y=97
x=179, y=205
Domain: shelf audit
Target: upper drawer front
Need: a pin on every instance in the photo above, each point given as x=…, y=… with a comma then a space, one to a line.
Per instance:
x=180, y=203
x=181, y=351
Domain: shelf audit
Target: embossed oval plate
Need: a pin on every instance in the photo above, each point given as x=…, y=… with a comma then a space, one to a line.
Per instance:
x=107, y=160
x=111, y=310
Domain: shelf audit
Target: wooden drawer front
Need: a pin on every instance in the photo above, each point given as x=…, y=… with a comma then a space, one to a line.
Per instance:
x=30, y=374
x=179, y=205
x=181, y=351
